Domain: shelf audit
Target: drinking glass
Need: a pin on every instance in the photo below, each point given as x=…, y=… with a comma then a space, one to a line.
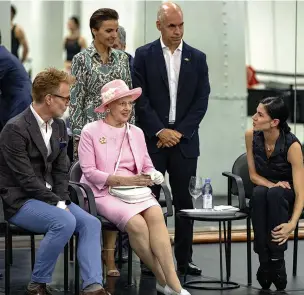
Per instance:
x=195, y=188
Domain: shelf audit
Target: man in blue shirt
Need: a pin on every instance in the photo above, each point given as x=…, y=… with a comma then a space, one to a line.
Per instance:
x=15, y=86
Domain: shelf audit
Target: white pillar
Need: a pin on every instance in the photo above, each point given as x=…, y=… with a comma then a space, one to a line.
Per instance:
x=217, y=28
x=71, y=8
x=48, y=47
x=131, y=17
x=5, y=23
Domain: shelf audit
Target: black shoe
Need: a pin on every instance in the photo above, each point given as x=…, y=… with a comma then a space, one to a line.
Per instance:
x=264, y=276
x=191, y=269
x=279, y=276
x=145, y=270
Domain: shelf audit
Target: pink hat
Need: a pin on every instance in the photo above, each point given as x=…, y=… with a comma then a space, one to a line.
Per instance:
x=114, y=90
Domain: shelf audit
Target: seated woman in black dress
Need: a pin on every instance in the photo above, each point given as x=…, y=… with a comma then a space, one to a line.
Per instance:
x=275, y=163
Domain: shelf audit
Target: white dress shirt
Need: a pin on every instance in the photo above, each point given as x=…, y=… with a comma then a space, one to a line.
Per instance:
x=45, y=129
x=46, y=132
x=173, y=63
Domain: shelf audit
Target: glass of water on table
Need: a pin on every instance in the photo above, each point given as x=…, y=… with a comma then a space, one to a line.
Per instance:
x=195, y=188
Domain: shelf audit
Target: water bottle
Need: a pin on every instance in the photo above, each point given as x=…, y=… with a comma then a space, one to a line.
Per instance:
x=207, y=194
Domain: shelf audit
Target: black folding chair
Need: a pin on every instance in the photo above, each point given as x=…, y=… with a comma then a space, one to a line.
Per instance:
x=9, y=230
x=75, y=176
x=240, y=175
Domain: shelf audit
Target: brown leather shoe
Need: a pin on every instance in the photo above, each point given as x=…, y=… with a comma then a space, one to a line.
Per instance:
x=98, y=292
x=41, y=290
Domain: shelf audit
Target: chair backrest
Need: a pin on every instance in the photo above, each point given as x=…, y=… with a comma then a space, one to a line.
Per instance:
x=240, y=168
x=75, y=172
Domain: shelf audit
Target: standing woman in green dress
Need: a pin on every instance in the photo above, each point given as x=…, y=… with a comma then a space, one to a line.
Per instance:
x=93, y=68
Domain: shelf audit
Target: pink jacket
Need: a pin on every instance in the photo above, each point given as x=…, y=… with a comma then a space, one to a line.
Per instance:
x=97, y=160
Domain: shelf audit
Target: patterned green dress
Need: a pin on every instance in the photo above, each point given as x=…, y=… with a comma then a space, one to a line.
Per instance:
x=91, y=75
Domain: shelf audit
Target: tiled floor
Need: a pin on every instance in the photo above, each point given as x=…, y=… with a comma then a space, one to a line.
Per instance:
x=206, y=256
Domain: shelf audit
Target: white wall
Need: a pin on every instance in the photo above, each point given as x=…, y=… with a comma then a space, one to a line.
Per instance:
x=5, y=10
x=131, y=17
x=270, y=35
x=42, y=22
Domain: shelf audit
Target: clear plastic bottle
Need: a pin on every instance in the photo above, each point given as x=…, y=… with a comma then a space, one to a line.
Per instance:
x=207, y=194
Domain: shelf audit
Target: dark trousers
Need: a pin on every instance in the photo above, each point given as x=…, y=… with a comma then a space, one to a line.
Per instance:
x=269, y=208
x=180, y=170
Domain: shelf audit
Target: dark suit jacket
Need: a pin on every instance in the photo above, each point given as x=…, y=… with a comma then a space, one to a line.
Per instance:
x=152, y=108
x=131, y=60
x=25, y=167
x=15, y=86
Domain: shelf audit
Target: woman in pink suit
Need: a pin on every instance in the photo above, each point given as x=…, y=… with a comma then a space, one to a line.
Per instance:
x=99, y=149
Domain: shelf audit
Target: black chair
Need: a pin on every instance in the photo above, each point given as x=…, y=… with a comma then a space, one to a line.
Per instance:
x=223, y=219
x=75, y=176
x=9, y=230
x=240, y=174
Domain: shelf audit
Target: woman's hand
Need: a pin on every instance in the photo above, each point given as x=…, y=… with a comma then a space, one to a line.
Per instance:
x=139, y=180
x=283, y=184
x=280, y=233
x=156, y=176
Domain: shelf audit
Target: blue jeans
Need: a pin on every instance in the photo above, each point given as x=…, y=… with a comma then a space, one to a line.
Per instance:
x=58, y=226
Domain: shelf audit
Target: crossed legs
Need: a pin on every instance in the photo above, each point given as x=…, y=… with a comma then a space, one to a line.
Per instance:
x=149, y=239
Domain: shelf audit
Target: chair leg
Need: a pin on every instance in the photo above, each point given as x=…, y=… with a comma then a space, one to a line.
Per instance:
x=295, y=250
x=72, y=248
x=249, y=268
x=8, y=257
x=10, y=243
x=130, y=266
x=76, y=268
x=66, y=267
x=228, y=260
x=119, y=249
x=33, y=249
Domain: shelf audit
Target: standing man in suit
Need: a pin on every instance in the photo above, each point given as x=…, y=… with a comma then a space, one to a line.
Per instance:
x=15, y=86
x=175, y=83
x=34, y=185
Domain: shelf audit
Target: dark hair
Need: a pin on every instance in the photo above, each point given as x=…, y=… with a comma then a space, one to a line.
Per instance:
x=13, y=11
x=100, y=16
x=75, y=19
x=277, y=109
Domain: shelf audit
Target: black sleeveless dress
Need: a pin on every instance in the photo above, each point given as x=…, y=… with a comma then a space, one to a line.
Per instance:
x=72, y=47
x=14, y=42
x=275, y=168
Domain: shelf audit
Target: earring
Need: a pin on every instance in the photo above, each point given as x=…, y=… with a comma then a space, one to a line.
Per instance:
x=108, y=110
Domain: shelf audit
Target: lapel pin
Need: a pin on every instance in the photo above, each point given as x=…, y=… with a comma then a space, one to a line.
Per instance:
x=187, y=59
x=103, y=140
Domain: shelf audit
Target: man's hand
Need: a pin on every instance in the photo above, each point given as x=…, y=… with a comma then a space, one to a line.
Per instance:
x=280, y=233
x=168, y=138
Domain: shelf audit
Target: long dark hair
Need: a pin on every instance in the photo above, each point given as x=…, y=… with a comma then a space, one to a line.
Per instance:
x=277, y=109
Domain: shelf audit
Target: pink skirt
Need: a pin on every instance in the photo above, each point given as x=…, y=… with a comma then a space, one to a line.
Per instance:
x=120, y=212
